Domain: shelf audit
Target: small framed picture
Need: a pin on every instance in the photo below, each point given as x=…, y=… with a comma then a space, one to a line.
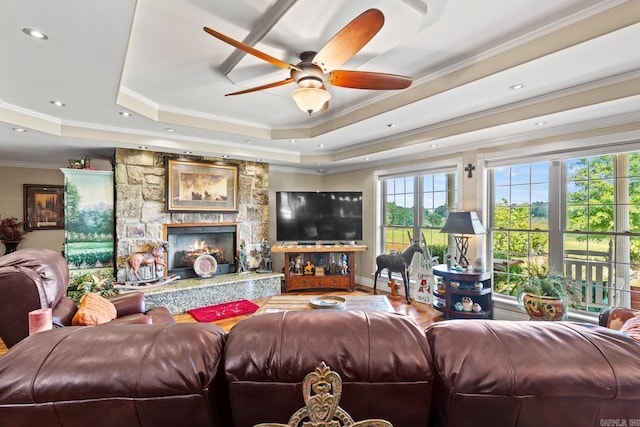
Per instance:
x=43, y=207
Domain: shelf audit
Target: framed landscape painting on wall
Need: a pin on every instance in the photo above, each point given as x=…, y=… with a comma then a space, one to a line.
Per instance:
x=201, y=186
x=43, y=207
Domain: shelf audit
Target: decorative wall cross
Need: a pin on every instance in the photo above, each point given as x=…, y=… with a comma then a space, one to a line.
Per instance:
x=469, y=170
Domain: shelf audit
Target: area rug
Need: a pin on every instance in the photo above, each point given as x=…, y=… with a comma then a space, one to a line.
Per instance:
x=222, y=311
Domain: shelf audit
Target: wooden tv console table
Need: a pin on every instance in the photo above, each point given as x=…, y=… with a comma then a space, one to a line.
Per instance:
x=318, y=266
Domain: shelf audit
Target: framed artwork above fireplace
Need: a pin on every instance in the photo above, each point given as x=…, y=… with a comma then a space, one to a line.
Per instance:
x=197, y=186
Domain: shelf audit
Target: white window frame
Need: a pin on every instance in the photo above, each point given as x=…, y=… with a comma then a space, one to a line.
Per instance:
x=556, y=155
x=453, y=165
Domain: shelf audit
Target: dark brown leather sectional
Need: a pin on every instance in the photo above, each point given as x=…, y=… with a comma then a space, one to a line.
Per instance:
x=460, y=373
x=456, y=373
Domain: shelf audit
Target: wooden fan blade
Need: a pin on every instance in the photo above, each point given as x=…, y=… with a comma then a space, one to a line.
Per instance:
x=368, y=80
x=348, y=41
x=255, y=52
x=263, y=87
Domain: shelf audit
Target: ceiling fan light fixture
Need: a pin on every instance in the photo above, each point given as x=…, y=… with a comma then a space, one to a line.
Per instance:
x=310, y=99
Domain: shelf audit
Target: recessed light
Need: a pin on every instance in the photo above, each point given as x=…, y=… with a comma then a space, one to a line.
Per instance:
x=366, y=159
x=540, y=123
x=225, y=156
x=248, y=141
x=143, y=147
x=19, y=129
x=125, y=114
x=292, y=140
x=517, y=86
x=57, y=103
x=320, y=145
x=169, y=129
x=258, y=160
x=187, y=152
x=433, y=146
x=317, y=163
x=391, y=125
x=36, y=34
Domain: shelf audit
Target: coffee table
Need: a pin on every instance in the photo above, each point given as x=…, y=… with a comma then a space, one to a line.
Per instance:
x=301, y=302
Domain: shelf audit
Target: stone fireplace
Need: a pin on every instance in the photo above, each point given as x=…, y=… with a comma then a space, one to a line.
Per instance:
x=142, y=217
x=188, y=241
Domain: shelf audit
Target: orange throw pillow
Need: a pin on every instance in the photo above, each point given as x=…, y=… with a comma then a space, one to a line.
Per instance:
x=632, y=328
x=94, y=310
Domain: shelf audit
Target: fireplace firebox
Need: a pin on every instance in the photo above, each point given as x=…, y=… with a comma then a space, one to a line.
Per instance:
x=188, y=241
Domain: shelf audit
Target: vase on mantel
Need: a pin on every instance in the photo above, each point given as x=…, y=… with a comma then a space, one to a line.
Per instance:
x=10, y=247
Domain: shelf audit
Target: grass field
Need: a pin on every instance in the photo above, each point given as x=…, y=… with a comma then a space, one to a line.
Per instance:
x=89, y=254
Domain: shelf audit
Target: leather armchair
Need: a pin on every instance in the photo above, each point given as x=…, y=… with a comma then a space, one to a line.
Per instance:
x=38, y=278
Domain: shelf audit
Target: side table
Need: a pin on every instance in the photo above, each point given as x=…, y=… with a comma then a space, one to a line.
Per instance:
x=466, y=286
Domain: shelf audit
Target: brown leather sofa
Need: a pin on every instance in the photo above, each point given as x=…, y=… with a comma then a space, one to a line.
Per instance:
x=33, y=278
x=383, y=360
x=115, y=375
x=458, y=373
x=500, y=373
x=172, y=375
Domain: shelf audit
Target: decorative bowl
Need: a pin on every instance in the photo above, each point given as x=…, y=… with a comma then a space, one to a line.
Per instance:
x=328, y=301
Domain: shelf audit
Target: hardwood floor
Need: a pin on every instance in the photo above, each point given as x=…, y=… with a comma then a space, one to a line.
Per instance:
x=423, y=314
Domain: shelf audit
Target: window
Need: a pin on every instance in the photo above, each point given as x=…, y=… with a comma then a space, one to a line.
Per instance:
x=519, y=222
x=415, y=208
x=580, y=216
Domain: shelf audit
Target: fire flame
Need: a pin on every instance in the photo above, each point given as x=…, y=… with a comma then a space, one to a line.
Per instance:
x=200, y=247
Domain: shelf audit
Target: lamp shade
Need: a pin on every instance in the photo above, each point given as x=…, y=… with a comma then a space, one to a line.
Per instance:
x=310, y=99
x=463, y=223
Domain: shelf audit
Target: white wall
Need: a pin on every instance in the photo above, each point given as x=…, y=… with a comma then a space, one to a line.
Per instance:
x=12, y=203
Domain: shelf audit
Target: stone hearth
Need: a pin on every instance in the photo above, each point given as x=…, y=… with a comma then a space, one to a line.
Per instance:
x=187, y=294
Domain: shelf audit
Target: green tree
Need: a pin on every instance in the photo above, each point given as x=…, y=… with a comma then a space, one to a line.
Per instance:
x=432, y=219
x=97, y=221
x=590, y=198
x=398, y=215
x=73, y=218
x=519, y=243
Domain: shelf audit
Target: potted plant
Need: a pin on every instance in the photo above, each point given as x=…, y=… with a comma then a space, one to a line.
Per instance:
x=101, y=284
x=546, y=294
x=11, y=233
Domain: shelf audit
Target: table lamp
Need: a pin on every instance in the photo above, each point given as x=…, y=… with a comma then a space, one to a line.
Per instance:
x=461, y=224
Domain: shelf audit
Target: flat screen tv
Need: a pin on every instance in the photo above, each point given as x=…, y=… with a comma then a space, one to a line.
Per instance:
x=312, y=216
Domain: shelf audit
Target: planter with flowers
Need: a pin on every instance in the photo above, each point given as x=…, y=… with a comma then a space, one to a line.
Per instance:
x=11, y=233
x=99, y=283
x=546, y=295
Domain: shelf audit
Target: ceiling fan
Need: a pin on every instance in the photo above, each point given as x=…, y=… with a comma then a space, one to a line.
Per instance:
x=309, y=73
